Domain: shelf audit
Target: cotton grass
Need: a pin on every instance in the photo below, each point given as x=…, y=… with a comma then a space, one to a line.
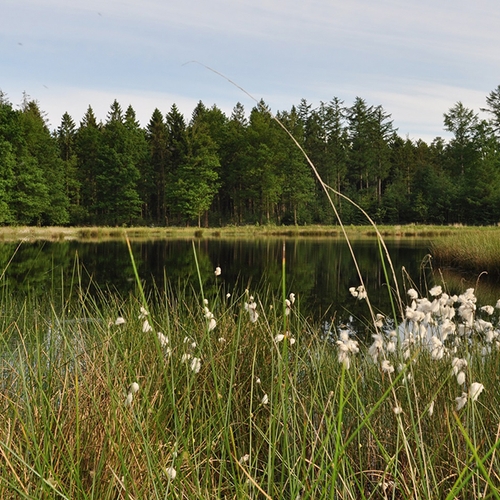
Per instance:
x=287, y=406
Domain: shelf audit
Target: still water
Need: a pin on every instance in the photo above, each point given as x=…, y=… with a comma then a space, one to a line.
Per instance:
x=318, y=271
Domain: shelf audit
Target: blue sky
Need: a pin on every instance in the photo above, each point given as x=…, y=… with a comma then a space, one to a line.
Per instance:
x=415, y=58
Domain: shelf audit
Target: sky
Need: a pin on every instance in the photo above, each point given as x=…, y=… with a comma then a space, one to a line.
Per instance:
x=415, y=58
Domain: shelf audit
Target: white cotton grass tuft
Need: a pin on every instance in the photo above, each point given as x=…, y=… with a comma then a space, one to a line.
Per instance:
x=475, y=389
x=437, y=348
x=488, y=310
x=212, y=323
x=171, y=473
x=120, y=321
x=379, y=320
x=162, y=339
x=458, y=366
x=251, y=307
x=265, y=399
x=392, y=342
x=461, y=401
x=377, y=348
x=387, y=367
x=282, y=336
x=347, y=347
x=218, y=271
x=195, y=365
x=431, y=408
x=133, y=389
x=359, y=292
x=146, y=327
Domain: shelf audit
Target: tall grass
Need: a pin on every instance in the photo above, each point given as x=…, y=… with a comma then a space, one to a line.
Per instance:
x=271, y=413
x=471, y=251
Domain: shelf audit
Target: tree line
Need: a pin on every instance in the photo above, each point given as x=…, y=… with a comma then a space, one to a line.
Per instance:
x=244, y=169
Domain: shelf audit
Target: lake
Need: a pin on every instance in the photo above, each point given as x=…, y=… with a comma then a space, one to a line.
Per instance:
x=318, y=271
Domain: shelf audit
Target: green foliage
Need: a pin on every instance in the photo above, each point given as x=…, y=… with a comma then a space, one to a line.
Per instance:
x=7, y=163
x=153, y=175
x=241, y=170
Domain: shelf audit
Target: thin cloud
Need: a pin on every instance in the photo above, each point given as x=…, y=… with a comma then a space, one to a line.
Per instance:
x=401, y=53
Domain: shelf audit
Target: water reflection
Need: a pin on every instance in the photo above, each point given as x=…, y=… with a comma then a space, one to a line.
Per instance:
x=318, y=271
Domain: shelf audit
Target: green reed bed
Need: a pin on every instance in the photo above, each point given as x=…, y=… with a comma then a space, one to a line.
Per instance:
x=473, y=251
x=181, y=395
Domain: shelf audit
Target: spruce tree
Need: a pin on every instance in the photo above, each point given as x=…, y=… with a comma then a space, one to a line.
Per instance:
x=118, y=199
x=153, y=178
x=66, y=138
x=177, y=151
x=88, y=149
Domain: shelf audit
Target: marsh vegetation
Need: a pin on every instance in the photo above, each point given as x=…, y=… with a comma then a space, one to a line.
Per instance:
x=195, y=394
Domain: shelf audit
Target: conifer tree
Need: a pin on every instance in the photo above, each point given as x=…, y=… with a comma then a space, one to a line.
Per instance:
x=177, y=151
x=66, y=137
x=88, y=148
x=153, y=180
x=8, y=120
x=197, y=177
x=40, y=195
x=232, y=151
x=298, y=185
x=118, y=200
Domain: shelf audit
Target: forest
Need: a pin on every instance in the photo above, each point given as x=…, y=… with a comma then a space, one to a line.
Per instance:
x=217, y=170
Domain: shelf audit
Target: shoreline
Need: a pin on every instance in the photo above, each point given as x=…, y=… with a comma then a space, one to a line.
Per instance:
x=142, y=233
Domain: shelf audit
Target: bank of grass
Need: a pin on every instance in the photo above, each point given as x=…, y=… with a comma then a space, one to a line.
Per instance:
x=106, y=233
x=472, y=251
x=256, y=407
